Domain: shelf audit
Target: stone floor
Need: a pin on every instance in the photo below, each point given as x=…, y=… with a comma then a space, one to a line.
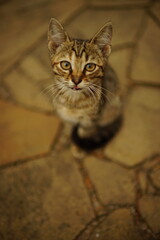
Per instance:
x=48, y=191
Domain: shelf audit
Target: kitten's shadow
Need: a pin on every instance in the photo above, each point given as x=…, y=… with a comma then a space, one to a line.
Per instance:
x=105, y=134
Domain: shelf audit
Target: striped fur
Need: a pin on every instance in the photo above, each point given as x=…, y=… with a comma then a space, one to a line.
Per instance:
x=79, y=95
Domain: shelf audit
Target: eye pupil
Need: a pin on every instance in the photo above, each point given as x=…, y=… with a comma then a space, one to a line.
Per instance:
x=65, y=65
x=90, y=67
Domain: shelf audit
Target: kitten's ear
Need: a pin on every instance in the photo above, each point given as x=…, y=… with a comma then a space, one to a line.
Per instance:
x=56, y=35
x=103, y=38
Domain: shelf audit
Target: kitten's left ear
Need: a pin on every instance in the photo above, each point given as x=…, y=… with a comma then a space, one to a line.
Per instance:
x=56, y=35
x=103, y=38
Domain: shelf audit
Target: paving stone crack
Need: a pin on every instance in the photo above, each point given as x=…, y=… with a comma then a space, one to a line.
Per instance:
x=139, y=220
x=96, y=203
x=154, y=17
x=120, y=7
x=29, y=108
x=22, y=161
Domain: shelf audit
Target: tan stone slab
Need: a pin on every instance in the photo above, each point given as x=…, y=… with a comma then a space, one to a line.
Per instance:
x=150, y=189
x=143, y=181
x=119, y=225
x=114, y=184
x=23, y=24
x=150, y=164
x=24, y=133
x=23, y=33
x=125, y=24
x=119, y=60
x=42, y=54
x=35, y=68
x=4, y=93
x=150, y=209
x=139, y=137
x=119, y=2
x=145, y=66
x=155, y=175
x=145, y=185
x=44, y=200
x=155, y=9
x=24, y=90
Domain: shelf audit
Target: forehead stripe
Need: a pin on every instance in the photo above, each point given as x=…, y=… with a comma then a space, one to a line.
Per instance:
x=79, y=48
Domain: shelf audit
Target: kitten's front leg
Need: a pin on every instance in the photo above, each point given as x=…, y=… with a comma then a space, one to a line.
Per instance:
x=88, y=129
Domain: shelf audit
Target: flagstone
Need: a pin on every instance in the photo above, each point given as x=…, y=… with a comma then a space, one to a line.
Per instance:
x=115, y=3
x=118, y=225
x=34, y=68
x=24, y=133
x=145, y=66
x=119, y=60
x=26, y=91
x=155, y=175
x=139, y=137
x=114, y=184
x=23, y=25
x=155, y=9
x=43, y=199
x=149, y=208
x=125, y=24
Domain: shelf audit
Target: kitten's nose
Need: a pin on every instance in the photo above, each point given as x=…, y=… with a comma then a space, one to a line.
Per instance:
x=76, y=80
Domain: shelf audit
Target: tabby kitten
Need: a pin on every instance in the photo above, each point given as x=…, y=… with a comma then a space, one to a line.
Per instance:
x=81, y=87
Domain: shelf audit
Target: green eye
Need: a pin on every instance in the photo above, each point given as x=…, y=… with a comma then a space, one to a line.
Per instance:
x=65, y=65
x=90, y=67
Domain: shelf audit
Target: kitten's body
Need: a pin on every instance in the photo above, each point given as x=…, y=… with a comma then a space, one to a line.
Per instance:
x=83, y=79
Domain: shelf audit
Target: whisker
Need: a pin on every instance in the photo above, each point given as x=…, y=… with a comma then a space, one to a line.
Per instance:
x=104, y=93
x=99, y=93
x=58, y=93
x=100, y=87
x=92, y=94
x=49, y=88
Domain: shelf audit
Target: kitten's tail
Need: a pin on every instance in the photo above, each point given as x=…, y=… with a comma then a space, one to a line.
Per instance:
x=105, y=134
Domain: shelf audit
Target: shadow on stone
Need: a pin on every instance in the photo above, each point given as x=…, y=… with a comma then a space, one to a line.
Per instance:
x=106, y=133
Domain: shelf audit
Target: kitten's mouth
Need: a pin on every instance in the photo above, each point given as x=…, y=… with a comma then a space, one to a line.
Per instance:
x=76, y=88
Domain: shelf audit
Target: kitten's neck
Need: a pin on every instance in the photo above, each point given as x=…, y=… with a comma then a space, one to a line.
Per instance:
x=77, y=100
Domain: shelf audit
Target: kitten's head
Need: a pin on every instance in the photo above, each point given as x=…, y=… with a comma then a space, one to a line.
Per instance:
x=78, y=64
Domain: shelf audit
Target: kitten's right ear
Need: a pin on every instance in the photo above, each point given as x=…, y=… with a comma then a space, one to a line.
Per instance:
x=56, y=35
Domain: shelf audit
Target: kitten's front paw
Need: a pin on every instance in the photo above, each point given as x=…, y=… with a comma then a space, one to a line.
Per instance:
x=86, y=132
x=87, y=140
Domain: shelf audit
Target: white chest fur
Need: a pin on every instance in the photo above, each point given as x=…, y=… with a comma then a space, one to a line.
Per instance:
x=71, y=115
